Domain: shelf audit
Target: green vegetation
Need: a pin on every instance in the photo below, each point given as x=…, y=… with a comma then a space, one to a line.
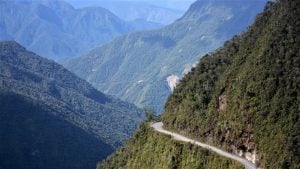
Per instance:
x=149, y=149
x=151, y=116
x=135, y=67
x=32, y=138
x=29, y=75
x=245, y=96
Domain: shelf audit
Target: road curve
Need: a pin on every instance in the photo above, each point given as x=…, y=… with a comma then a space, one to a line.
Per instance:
x=159, y=127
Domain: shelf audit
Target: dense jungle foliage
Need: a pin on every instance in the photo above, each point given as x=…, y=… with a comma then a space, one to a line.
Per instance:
x=243, y=98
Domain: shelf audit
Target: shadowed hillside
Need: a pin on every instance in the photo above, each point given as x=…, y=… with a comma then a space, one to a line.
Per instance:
x=33, y=138
x=39, y=79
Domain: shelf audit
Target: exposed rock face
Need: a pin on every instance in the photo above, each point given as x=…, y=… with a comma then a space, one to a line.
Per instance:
x=246, y=147
x=188, y=68
x=172, y=82
x=222, y=103
x=253, y=157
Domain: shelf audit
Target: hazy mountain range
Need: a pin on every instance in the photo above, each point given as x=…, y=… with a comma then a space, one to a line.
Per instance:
x=181, y=5
x=142, y=67
x=56, y=30
x=136, y=10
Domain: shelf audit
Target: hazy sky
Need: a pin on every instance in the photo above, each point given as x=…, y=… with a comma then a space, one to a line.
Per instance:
x=175, y=4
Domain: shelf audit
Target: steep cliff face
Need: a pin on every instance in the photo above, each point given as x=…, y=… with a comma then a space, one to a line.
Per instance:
x=243, y=98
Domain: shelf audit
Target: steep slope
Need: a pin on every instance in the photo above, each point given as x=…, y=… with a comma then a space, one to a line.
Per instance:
x=32, y=138
x=148, y=149
x=243, y=98
x=39, y=79
x=136, y=67
x=56, y=30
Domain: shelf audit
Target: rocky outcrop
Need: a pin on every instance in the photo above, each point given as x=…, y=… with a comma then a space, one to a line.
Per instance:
x=222, y=103
x=172, y=82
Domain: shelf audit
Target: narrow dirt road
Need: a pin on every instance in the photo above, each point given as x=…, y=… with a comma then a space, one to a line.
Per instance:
x=159, y=127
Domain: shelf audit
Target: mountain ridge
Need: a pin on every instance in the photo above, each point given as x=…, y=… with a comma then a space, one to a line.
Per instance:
x=28, y=74
x=56, y=30
x=133, y=10
x=135, y=67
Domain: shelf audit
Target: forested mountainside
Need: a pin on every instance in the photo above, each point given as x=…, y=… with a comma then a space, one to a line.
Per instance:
x=33, y=138
x=31, y=76
x=143, y=67
x=243, y=98
x=148, y=149
x=56, y=30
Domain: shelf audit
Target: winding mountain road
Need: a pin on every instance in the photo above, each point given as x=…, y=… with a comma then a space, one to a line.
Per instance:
x=159, y=127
